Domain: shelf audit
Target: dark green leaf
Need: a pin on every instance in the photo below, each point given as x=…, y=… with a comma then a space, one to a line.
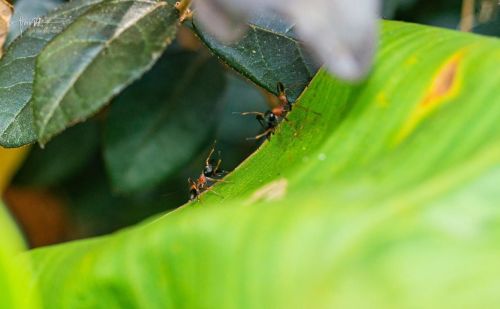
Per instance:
x=268, y=53
x=17, y=69
x=103, y=51
x=61, y=158
x=161, y=122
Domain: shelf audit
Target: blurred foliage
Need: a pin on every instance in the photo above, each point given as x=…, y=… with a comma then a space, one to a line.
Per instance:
x=15, y=272
x=440, y=13
x=163, y=120
x=10, y=160
x=62, y=158
x=72, y=166
x=398, y=174
x=390, y=193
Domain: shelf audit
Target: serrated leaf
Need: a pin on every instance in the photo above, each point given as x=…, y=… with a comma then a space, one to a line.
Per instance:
x=17, y=69
x=268, y=53
x=103, y=51
x=391, y=193
x=160, y=123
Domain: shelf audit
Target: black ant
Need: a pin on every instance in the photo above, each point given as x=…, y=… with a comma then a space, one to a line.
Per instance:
x=210, y=173
x=271, y=118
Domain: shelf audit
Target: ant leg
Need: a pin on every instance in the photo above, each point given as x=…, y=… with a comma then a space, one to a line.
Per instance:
x=218, y=171
x=217, y=180
x=308, y=110
x=249, y=113
x=270, y=130
x=198, y=199
x=210, y=154
x=260, y=119
x=294, y=127
x=218, y=165
x=212, y=191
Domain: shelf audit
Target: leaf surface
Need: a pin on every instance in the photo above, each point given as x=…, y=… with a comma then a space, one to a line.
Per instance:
x=391, y=193
x=17, y=69
x=14, y=269
x=81, y=70
x=64, y=156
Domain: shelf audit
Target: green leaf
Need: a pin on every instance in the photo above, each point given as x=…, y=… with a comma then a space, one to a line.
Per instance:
x=96, y=57
x=388, y=199
x=61, y=158
x=268, y=53
x=14, y=269
x=160, y=123
x=17, y=69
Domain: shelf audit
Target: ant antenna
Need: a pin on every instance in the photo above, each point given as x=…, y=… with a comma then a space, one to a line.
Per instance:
x=249, y=113
x=207, y=161
x=265, y=133
x=280, y=87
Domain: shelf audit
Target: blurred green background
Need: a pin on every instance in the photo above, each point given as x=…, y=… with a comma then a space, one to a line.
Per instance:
x=64, y=192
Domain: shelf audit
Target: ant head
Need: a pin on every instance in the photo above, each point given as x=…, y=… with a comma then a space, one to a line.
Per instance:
x=270, y=118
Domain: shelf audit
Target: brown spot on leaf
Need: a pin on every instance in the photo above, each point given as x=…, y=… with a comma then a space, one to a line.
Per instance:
x=444, y=85
x=443, y=81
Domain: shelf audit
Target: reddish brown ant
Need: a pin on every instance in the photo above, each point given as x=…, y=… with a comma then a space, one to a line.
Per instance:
x=209, y=174
x=271, y=118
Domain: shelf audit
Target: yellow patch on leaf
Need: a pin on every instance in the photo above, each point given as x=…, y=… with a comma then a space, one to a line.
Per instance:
x=445, y=86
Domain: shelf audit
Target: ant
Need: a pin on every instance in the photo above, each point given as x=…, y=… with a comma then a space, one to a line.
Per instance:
x=209, y=174
x=271, y=118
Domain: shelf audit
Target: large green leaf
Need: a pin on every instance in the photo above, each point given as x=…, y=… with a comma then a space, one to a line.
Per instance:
x=388, y=199
x=17, y=69
x=14, y=269
x=268, y=53
x=160, y=123
x=99, y=54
